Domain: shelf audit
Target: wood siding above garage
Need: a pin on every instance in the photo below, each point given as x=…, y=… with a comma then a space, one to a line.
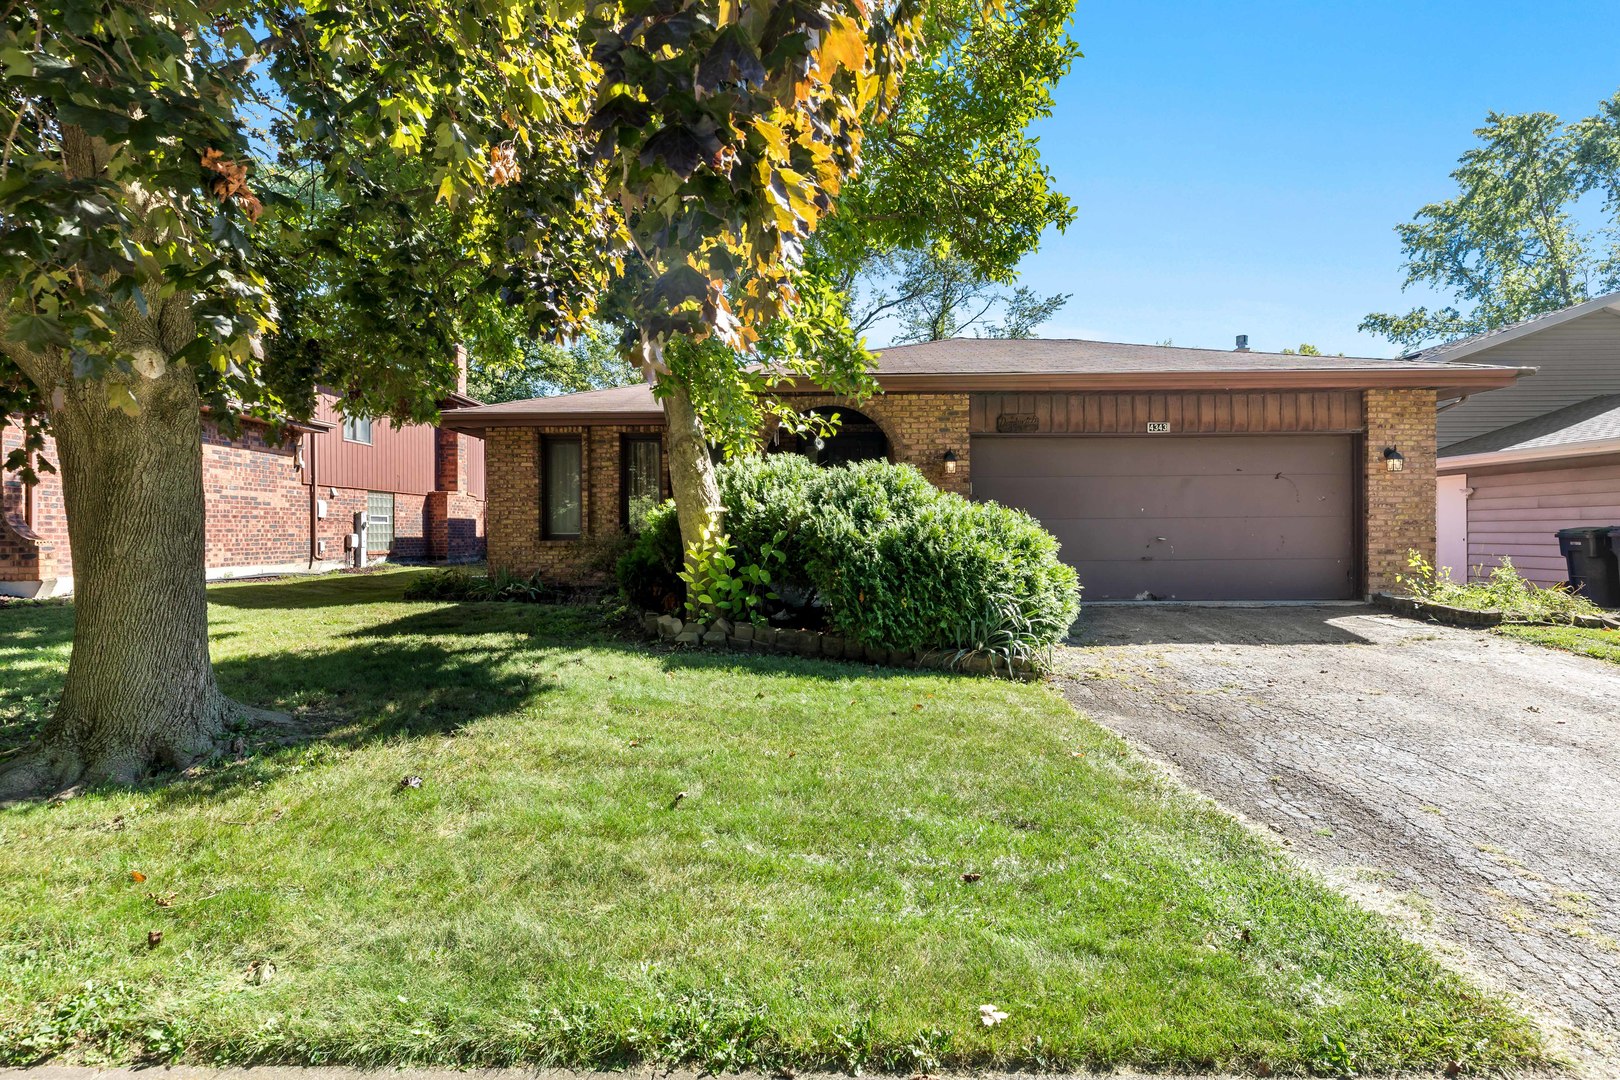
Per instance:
x=1326, y=412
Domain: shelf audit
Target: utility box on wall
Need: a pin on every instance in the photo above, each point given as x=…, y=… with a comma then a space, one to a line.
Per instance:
x=357, y=539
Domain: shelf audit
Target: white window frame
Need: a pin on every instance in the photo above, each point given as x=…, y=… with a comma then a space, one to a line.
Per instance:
x=352, y=428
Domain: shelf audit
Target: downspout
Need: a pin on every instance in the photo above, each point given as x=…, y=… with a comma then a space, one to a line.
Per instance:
x=28, y=492
x=314, y=502
x=1452, y=404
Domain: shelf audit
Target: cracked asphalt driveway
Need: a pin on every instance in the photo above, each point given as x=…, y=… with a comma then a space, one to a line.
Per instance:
x=1465, y=781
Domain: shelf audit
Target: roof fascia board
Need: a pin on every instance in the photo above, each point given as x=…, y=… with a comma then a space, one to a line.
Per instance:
x=455, y=420
x=1532, y=453
x=1448, y=382
x=1436, y=377
x=1609, y=302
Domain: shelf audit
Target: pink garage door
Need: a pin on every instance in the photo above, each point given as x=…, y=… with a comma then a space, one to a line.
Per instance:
x=1266, y=517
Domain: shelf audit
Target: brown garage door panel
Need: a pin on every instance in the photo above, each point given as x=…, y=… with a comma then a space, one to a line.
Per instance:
x=1252, y=455
x=1097, y=497
x=1195, y=518
x=1286, y=579
x=1211, y=538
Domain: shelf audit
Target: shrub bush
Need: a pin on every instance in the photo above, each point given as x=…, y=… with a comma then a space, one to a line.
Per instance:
x=893, y=561
x=647, y=571
x=902, y=565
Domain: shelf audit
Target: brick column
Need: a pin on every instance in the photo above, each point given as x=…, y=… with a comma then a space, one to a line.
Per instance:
x=449, y=501
x=512, y=498
x=1400, y=505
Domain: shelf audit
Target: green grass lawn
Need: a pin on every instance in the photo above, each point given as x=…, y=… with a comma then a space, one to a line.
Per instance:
x=861, y=859
x=1603, y=644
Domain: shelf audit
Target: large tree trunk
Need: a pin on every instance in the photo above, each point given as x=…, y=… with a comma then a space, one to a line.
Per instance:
x=691, y=469
x=140, y=690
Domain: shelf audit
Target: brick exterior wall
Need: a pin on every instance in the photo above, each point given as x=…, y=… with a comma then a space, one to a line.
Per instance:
x=1400, y=506
x=921, y=428
x=39, y=552
x=512, y=502
x=257, y=503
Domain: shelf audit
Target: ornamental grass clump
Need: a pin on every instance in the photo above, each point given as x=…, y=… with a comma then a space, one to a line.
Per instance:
x=883, y=557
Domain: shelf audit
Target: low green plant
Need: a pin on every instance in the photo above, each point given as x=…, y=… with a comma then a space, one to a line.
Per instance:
x=461, y=584
x=1504, y=590
x=717, y=583
x=455, y=583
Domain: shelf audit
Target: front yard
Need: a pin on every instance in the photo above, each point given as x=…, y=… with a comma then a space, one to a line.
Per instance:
x=618, y=854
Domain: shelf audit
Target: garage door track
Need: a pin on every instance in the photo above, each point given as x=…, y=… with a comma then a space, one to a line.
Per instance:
x=1467, y=783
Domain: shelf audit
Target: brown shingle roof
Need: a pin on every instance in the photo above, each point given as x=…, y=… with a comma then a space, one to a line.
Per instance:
x=1593, y=420
x=1010, y=356
x=965, y=364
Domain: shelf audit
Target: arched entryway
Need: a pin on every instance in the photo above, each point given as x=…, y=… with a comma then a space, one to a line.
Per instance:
x=856, y=438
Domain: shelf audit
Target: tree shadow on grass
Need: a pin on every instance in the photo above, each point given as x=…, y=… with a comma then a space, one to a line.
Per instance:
x=303, y=593
x=774, y=665
x=428, y=673
x=30, y=678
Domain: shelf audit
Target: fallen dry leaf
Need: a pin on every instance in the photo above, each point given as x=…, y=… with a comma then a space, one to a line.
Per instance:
x=970, y=877
x=154, y=938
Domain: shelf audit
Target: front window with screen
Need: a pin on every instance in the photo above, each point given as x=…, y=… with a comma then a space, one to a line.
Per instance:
x=357, y=429
x=379, y=520
x=643, y=460
x=560, y=488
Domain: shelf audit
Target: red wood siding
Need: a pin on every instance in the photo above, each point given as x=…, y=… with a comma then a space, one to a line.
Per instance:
x=398, y=459
x=1515, y=513
x=1189, y=413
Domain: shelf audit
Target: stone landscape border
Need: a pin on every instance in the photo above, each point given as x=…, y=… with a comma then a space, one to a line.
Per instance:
x=825, y=645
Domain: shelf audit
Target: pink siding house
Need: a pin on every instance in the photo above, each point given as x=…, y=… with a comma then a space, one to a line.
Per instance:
x=1517, y=465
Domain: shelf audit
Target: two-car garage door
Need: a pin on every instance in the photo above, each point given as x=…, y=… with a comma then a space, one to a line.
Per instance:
x=1266, y=517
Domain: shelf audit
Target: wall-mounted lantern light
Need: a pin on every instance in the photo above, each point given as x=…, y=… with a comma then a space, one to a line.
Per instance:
x=1393, y=459
x=950, y=462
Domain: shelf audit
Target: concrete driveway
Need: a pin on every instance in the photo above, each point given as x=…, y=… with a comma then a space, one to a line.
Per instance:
x=1467, y=783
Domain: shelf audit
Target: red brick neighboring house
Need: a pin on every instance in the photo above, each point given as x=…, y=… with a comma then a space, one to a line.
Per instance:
x=285, y=507
x=1166, y=473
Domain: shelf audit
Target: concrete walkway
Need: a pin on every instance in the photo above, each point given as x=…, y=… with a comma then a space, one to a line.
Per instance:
x=1462, y=780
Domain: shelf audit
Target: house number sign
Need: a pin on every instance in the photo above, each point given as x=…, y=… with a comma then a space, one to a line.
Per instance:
x=1018, y=423
x=1158, y=427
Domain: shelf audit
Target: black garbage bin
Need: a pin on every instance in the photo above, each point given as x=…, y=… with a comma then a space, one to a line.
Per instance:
x=1594, y=571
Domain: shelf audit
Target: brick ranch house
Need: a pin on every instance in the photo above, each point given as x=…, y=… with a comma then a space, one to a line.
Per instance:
x=275, y=508
x=1167, y=473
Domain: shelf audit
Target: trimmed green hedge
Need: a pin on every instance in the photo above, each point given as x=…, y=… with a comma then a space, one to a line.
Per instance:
x=895, y=562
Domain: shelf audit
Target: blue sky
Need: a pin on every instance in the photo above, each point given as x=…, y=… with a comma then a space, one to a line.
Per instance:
x=1239, y=167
